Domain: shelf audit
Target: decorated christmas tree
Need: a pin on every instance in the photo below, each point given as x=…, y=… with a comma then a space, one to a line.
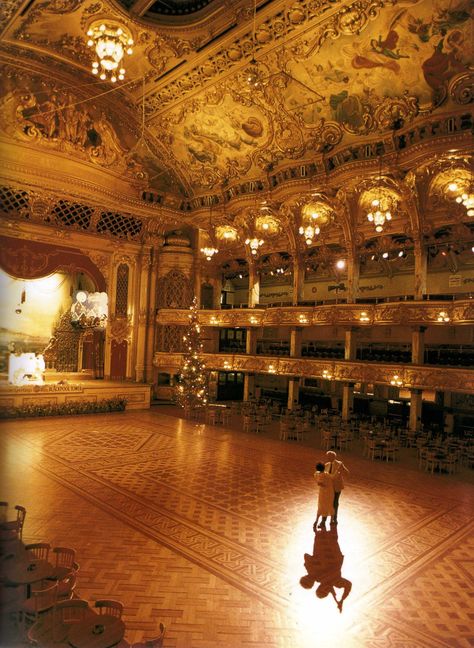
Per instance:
x=191, y=391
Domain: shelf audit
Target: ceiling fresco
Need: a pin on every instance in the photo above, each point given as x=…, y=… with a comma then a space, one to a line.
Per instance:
x=232, y=90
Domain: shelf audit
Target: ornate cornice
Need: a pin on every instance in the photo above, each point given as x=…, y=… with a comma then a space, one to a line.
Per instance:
x=364, y=315
x=412, y=376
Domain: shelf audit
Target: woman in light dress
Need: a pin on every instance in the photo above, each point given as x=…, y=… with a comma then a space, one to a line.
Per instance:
x=325, y=496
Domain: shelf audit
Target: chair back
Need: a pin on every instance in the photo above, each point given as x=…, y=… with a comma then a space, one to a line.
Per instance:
x=110, y=607
x=44, y=598
x=64, y=557
x=39, y=550
x=20, y=518
x=156, y=642
x=71, y=611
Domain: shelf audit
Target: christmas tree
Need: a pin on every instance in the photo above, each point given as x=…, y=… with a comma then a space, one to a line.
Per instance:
x=191, y=391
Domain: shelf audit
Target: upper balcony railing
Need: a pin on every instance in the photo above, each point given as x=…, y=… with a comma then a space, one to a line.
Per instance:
x=401, y=313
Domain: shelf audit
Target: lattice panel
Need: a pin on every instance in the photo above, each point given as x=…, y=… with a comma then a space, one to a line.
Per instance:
x=14, y=201
x=72, y=214
x=170, y=338
x=119, y=226
x=174, y=291
x=121, y=293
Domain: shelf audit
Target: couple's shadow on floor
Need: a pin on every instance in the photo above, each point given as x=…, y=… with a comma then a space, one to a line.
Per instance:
x=324, y=567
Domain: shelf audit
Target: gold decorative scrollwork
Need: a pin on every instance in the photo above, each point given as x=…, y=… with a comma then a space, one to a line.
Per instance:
x=461, y=88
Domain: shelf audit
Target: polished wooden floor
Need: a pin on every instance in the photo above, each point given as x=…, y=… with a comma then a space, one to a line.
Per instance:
x=206, y=529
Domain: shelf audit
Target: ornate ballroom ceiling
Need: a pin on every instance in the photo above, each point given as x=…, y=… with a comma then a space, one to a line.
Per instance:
x=232, y=98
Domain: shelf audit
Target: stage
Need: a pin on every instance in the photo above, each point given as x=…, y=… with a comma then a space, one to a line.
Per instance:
x=60, y=388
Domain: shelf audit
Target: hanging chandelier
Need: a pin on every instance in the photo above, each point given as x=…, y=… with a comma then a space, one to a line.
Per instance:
x=209, y=252
x=465, y=198
x=110, y=42
x=309, y=232
x=254, y=244
x=381, y=206
x=380, y=214
x=314, y=216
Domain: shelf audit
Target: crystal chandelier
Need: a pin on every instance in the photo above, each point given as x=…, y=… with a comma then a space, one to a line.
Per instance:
x=380, y=212
x=209, y=252
x=110, y=43
x=254, y=244
x=309, y=232
x=465, y=198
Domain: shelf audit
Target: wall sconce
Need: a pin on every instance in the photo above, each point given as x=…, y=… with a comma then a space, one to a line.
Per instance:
x=396, y=381
x=364, y=317
x=226, y=364
x=214, y=320
x=443, y=317
x=271, y=369
x=327, y=375
x=302, y=319
x=253, y=320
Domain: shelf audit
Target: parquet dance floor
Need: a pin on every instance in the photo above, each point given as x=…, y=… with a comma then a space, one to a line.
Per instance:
x=206, y=529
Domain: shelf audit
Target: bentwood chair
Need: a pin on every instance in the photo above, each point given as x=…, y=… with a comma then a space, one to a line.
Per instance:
x=13, y=530
x=43, y=598
x=64, y=563
x=52, y=628
x=156, y=642
x=109, y=607
x=38, y=550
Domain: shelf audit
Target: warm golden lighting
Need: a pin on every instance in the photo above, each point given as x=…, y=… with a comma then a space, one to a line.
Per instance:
x=254, y=244
x=327, y=375
x=209, y=252
x=110, y=42
x=364, y=317
x=396, y=381
x=226, y=233
x=443, y=317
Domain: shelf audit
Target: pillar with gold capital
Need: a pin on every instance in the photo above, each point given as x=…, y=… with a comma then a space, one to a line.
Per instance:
x=254, y=285
x=249, y=386
x=150, y=332
x=141, y=327
x=353, y=272
x=293, y=392
x=421, y=269
x=415, y=410
x=418, y=345
x=298, y=281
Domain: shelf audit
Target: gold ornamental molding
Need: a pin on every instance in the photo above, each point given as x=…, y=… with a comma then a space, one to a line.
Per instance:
x=409, y=313
x=411, y=376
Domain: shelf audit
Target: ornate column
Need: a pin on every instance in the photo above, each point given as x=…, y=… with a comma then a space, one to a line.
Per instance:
x=249, y=386
x=296, y=334
x=350, y=343
x=254, y=284
x=150, y=333
x=293, y=392
x=298, y=280
x=418, y=345
x=421, y=269
x=415, y=410
x=197, y=279
x=350, y=349
x=347, y=400
x=251, y=341
x=353, y=272
x=143, y=313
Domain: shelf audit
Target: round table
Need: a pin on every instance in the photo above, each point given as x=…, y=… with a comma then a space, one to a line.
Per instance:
x=25, y=571
x=103, y=631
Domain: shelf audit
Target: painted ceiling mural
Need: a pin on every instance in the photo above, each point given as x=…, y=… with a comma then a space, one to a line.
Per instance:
x=195, y=115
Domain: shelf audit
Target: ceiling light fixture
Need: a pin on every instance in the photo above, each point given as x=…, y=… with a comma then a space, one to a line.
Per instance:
x=381, y=205
x=110, y=42
x=209, y=252
x=466, y=197
x=254, y=244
